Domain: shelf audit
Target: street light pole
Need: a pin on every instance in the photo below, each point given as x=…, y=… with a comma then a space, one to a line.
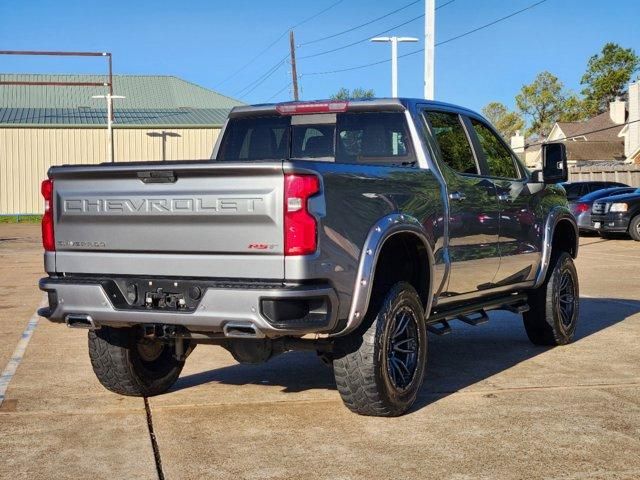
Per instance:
x=394, y=58
x=109, y=97
x=429, y=49
x=394, y=67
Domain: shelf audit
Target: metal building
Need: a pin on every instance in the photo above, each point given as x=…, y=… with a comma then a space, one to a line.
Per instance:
x=161, y=118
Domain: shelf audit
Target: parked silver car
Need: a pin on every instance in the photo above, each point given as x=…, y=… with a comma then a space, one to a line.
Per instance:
x=581, y=207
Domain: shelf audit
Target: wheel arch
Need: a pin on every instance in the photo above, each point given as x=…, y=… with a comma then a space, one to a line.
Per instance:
x=389, y=233
x=560, y=234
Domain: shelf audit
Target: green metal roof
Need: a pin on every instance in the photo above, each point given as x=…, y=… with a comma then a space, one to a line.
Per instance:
x=151, y=100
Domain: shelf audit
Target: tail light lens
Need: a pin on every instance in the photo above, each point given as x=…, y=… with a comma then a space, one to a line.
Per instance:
x=48, y=239
x=581, y=208
x=300, y=227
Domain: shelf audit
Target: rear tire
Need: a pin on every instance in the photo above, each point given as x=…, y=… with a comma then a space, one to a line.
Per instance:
x=127, y=363
x=634, y=228
x=555, y=305
x=380, y=367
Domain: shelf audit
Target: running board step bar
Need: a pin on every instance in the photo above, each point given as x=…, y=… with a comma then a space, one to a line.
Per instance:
x=475, y=321
x=443, y=329
x=513, y=303
x=521, y=308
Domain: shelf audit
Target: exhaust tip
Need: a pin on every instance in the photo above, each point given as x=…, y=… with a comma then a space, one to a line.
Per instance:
x=74, y=320
x=241, y=330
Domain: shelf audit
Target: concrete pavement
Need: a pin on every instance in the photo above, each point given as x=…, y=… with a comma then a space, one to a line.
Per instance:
x=493, y=405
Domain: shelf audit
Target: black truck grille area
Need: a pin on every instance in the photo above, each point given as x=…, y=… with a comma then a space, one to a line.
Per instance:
x=600, y=208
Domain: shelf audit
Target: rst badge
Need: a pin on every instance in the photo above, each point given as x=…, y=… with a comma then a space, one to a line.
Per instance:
x=262, y=246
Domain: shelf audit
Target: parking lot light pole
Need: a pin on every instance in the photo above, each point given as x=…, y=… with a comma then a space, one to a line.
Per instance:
x=429, y=49
x=394, y=58
x=110, y=99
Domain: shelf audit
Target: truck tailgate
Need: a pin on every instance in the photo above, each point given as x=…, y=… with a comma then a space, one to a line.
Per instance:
x=142, y=214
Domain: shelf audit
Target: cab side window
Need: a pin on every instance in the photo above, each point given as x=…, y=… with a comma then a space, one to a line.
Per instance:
x=499, y=158
x=452, y=139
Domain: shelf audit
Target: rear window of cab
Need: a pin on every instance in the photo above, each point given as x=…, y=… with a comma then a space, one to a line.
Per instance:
x=378, y=138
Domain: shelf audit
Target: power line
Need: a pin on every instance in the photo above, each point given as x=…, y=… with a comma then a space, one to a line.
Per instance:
x=266, y=49
x=445, y=4
x=315, y=15
x=620, y=125
x=279, y=92
x=491, y=24
x=260, y=80
x=361, y=25
x=366, y=65
x=366, y=39
x=362, y=40
x=358, y=67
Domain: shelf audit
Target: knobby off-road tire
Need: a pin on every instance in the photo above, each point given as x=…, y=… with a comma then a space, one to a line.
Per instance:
x=634, y=228
x=380, y=367
x=127, y=364
x=554, y=306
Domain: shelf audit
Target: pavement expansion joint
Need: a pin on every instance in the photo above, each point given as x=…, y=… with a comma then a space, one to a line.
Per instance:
x=154, y=441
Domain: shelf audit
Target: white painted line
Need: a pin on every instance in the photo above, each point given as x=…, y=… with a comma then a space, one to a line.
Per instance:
x=18, y=353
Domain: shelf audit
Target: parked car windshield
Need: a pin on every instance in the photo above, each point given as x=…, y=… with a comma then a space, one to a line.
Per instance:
x=379, y=138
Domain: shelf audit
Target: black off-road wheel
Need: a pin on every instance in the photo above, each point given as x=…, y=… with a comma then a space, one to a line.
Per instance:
x=555, y=305
x=380, y=367
x=634, y=228
x=127, y=363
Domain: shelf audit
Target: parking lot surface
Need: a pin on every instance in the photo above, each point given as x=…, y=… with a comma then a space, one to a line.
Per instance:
x=493, y=405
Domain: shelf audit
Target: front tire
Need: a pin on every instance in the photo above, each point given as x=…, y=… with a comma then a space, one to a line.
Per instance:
x=555, y=305
x=380, y=367
x=634, y=228
x=127, y=363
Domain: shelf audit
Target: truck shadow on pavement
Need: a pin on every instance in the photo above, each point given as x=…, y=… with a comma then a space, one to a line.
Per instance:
x=465, y=357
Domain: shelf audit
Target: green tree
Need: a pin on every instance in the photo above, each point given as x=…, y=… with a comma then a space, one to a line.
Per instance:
x=542, y=101
x=573, y=109
x=505, y=121
x=356, y=94
x=607, y=76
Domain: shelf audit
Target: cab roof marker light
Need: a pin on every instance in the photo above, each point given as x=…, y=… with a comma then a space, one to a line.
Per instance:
x=312, y=107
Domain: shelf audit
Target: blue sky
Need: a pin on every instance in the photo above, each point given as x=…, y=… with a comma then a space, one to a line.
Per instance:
x=206, y=41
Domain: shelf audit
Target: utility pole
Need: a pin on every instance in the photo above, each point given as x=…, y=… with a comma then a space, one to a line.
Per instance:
x=109, y=99
x=394, y=67
x=429, y=48
x=294, y=71
x=394, y=58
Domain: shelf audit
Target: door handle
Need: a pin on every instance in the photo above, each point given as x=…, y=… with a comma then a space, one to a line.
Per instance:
x=504, y=197
x=457, y=196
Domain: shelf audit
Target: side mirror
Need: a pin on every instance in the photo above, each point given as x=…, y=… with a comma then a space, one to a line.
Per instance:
x=554, y=163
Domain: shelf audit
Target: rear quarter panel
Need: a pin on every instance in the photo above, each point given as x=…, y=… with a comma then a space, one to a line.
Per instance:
x=354, y=198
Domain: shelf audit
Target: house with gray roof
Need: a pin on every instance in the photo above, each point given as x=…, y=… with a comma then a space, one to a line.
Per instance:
x=610, y=138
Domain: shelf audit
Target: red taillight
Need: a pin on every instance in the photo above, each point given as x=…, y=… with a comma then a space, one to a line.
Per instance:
x=48, y=239
x=300, y=235
x=312, y=107
x=581, y=208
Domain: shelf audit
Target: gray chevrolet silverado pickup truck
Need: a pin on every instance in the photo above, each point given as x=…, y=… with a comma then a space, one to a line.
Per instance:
x=352, y=229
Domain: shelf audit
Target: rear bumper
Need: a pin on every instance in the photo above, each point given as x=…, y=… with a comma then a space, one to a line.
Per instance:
x=271, y=312
x=611, y=222
x=584, y=221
